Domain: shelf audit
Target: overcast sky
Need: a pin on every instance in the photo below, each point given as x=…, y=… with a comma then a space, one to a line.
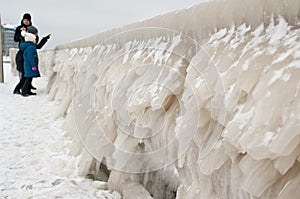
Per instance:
x=70, y=20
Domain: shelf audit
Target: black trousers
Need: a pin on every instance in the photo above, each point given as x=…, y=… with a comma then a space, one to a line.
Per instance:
x=21, y=82
x=27, y=85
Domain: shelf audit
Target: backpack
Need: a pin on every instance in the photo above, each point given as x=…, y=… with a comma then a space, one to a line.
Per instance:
x=20, y=61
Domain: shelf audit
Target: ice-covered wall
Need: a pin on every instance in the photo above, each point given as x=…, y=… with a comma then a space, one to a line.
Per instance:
x=198, y=103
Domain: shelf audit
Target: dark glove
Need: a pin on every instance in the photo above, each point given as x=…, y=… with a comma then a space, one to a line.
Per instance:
x=47, y=37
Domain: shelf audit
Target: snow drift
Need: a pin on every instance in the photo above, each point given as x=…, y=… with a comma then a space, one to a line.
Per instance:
x=197, y=103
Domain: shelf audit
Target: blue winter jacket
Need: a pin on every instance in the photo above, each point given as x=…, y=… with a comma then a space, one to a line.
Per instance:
x=31, y=59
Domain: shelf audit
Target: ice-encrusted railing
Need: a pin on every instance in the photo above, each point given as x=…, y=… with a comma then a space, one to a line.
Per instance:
x=141, y=89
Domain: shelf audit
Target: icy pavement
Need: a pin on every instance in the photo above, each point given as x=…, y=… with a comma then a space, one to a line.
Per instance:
x=34, y=160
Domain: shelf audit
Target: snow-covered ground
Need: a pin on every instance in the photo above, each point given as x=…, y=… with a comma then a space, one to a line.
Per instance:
x=34, y=160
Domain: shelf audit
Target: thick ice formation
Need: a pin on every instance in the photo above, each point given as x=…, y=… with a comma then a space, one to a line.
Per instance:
x=207, y=102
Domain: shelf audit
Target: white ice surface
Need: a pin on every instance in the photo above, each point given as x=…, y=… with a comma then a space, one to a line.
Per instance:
x=34, y=160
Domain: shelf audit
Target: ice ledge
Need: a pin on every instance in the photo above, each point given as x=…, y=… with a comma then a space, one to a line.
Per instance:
x=157, y=84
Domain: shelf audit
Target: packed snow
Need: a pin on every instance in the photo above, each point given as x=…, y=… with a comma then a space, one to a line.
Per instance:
x=34, y=156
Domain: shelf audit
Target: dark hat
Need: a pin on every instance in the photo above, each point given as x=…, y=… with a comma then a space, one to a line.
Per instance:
x=32, y=30
x=27, y=16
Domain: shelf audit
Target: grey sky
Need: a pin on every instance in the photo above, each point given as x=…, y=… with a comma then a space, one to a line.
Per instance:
x=70, y=20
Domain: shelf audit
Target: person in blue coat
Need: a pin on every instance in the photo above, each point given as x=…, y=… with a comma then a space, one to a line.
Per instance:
x=26, y=24
x=31, y=61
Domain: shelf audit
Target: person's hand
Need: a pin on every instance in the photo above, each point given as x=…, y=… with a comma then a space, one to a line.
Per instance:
x=47, y=37
x=23, y=28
